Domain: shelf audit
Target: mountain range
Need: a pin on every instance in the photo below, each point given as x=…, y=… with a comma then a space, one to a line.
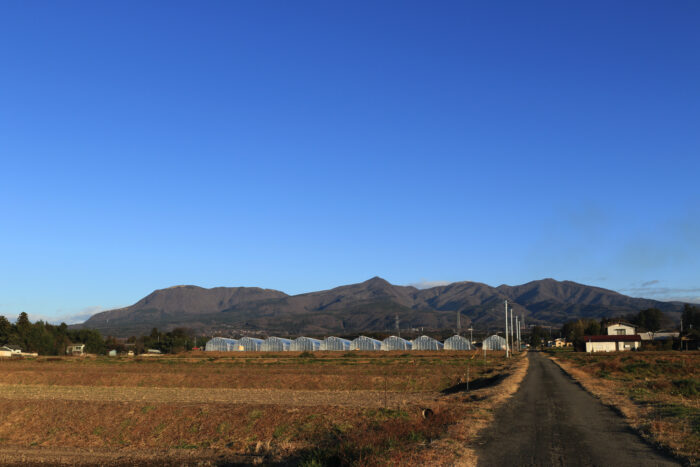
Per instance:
x=368, y=306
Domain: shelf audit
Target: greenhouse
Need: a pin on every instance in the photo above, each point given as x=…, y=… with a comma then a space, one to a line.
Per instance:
x=221, y=344
x=396, y=343
x=305, y=343
x=458, y=343
x=276, y=344
x=426, y=343
x=494, y=342
x=335, y=343
x=249, y=344
x=365, y=343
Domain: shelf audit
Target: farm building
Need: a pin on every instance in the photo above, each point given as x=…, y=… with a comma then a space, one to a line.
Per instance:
x=221, y=344
x=396, y=343
x=75, y=349
x=305, y=343
x=426, y=343
x=458, y=343
x=276, y=344
x=365, y=343
x=612, y=343
x=494, y=342
x=9, y=351
x=621, y=329
x=249, y=344
x=335, y=343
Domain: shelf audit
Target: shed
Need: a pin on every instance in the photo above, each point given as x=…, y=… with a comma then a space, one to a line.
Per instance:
x=335, y=343
x=494, y=342
x=396, y=343
x=75, y=349
x=221, y=344
x=426, y=343
x=365, y=343
x=458, y=343
x=9, y=351
x=612, y=343
x=305, y=344
x=249, y=344
x=276, y=344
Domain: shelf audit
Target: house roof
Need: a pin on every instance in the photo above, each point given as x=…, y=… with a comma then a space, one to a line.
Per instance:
x=11, y=347
x=613, y=338
x=620, y=323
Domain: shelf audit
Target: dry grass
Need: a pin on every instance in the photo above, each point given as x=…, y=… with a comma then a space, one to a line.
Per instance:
x=335, y=408
x=657, y=392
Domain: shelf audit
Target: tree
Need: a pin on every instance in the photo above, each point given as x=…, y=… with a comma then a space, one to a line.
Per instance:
x=536, y=336
x=5, y=330
x=650, y=319
x=690, y=318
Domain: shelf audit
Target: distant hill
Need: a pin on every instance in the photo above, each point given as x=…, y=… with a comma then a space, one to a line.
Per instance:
x=368, y=306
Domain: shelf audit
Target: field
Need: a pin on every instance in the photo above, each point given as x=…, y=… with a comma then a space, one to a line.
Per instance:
x=658, y=392
x=287, y=408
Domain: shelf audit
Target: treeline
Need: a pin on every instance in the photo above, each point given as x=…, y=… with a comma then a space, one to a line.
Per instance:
x=48, y=339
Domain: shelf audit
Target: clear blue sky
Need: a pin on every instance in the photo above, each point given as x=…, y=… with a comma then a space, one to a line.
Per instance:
x=305, y=145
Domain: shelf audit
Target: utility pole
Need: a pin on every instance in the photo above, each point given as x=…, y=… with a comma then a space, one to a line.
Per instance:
x=512, y=330
x=459, y=325
x=506, y=329
x=471, y=336
x=398, y=328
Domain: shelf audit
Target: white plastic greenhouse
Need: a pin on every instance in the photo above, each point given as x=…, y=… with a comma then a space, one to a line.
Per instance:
x=396, y=343
x=426, y=343
x=249, y=344
x=335, y=343
x=305, y=343
x=221, y=344
x=276, y=344
x=494, y=342
x=365, y=343
x=458, y=343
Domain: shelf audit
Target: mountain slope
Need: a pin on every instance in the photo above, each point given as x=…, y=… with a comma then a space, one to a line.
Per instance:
x=368, y=306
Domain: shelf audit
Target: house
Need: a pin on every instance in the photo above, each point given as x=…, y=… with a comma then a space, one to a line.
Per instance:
x=621, y=329
x=75, y=349
x=10, y=351
x=612, y=343
x=153, y=352
x=561, y=342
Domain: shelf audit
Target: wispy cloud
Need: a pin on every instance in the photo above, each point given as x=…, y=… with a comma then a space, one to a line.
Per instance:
x=651, y=289
x=426, y=284
x=68, y=318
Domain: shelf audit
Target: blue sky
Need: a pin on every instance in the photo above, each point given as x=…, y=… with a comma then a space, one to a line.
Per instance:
x=305, y=145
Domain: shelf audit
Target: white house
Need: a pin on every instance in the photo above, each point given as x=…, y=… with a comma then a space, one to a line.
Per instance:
x=9, y=351
x=614, y=343
x=75, y=349
x=621, y=329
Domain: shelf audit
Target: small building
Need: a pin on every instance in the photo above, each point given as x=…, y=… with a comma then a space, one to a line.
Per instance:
x=396, y=343
x=112, y=353
x=621, y=329
x=153, y=352
x=458, y=342
x=365, y=343
x=612, y=343
x=426, y=343
x=75, y=349
x=659, y=335
x=10, y=351
x=561, y=342
x=130, y=353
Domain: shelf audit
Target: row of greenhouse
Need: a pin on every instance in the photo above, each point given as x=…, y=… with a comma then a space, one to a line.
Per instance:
x=279, y=344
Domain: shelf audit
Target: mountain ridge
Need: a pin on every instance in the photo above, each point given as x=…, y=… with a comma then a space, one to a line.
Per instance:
x=366, y=306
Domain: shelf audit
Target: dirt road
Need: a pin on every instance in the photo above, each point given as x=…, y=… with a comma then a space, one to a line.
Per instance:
x=553, y=421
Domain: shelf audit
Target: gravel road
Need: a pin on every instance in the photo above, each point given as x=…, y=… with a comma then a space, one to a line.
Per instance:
x=553, y=421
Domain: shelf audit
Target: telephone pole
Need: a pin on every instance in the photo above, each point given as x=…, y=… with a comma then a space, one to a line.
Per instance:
x=506, y=335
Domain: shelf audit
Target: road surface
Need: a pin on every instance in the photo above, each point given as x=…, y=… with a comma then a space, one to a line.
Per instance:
x=553, y=421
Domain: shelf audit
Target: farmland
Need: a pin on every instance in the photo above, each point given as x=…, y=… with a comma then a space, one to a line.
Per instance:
x=658, y=393
x=291, y=408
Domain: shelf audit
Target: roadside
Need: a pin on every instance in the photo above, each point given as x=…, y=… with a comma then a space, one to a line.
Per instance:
x=657, y=393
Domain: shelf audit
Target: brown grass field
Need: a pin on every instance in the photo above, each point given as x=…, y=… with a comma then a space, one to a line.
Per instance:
x=247, y=408
x=657, y=392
